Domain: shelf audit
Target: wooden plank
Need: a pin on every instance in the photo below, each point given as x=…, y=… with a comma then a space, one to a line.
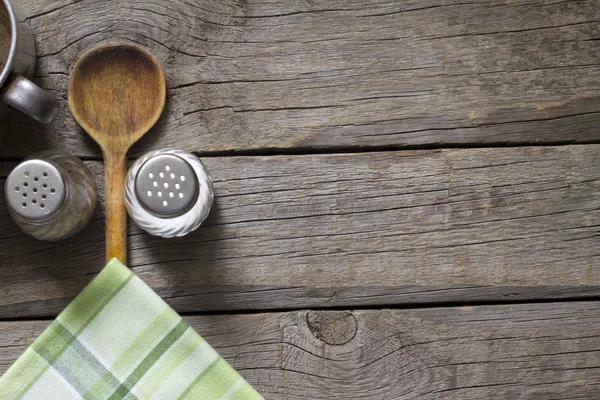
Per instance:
x=536, y=351
x=342, y=230
x=261, y=74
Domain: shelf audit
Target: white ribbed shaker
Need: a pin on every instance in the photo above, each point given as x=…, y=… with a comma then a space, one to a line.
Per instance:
x=168, y=192
x=51, y=195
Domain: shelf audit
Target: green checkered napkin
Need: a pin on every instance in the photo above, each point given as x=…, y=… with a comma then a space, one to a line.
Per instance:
x=119, y=340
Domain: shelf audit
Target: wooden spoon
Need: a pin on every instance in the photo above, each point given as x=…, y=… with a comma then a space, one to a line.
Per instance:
x=116, y=94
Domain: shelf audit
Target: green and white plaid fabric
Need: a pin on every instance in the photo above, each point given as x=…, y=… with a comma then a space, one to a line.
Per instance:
x=119, y=340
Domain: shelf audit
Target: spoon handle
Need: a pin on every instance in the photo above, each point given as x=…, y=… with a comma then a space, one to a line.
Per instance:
x=116, y=214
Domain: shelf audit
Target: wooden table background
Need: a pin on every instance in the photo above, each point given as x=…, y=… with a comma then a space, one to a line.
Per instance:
x=407, y=192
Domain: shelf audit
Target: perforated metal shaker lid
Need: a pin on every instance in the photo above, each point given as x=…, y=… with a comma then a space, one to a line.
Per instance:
x=166, y=185
x=36, y=190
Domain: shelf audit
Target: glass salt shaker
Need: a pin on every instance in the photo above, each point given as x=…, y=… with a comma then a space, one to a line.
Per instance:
x=51, y=195
x=168, y=192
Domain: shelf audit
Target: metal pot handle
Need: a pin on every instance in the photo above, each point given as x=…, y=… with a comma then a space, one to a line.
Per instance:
x=22, y=94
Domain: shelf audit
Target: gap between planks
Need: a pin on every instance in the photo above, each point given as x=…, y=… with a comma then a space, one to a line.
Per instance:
x=307, y=151
x=404, y=307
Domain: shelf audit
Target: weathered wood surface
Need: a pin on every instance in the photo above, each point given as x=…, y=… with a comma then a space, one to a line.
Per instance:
x=537, y=351
x=260, y=74
x=350, y=230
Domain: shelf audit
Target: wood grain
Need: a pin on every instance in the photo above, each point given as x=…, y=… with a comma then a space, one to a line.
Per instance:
x=263, y=75
x=117, y=92
x=373, y=229
x=536, y=351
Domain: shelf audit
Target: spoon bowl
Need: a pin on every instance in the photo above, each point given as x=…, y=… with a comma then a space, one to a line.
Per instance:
x=116, y=94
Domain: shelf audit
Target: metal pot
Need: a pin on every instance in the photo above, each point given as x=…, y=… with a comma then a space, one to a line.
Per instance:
x=16, y=89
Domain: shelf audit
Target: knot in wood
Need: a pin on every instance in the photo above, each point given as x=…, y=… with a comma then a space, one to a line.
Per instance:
x=332, y=327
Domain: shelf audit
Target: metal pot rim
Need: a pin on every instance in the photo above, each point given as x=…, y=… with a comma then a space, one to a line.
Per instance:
x=14, y=39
